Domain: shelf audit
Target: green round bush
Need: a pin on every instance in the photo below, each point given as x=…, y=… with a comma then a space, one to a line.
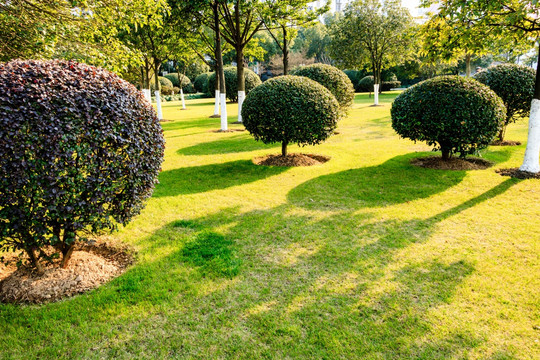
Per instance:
x=515, y=86
x=201, y=83
x=389, y=85
x=331, y=78
x=173, y=78
x=166, y=90
x=231, y=84
x=451, y=113
x=290, y=109
x=80, y=152
x=355, y=76
x=163, y=81
x=366, y=84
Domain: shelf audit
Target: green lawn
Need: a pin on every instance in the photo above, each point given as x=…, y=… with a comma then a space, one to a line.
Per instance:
x=364, y=257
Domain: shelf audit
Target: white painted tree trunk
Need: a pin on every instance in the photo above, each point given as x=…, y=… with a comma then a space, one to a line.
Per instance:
x=147, y=95
x=158, y=105
x=531, y=162
x=376, y=93
x=216, y=107
x=183, y=100
x=241, y=97
x=223, y=100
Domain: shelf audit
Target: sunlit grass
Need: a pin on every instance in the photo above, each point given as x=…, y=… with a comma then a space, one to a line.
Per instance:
x=364, y=257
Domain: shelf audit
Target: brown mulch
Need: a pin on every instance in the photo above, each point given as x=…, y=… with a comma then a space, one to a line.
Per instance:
x=164, y=120
x=518, y=174
x=505, y=143
x=215, y=116
x=436, y=162
x=227, y=131
x=291, y=160
x=91, y=265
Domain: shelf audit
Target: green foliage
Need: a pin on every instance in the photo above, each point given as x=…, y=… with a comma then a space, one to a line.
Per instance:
x=163, y=81
x=84, y=156
x=213, y=254
x=231, y=83
x=331, y=78
x=454, y=114
x=166, y=90
x=355, y=76
x=173, y=78
x=195, y=69
x=290, y=109
x=201, y=83
x=366, y=84
x=515, y=86
x=389, y=85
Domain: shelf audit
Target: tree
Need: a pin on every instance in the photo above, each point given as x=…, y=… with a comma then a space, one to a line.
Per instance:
x=240, y=21
x=285, y=18
x=371, y=31
x=523, y=18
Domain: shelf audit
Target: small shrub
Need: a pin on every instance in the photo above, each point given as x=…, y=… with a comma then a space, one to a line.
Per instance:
x=173, y=78
x=451, y=113
x=389, y=76
x=166, y=90
x=331, y=78
x=515, y=86
x=355, y=76
x=189, y=89
x=231, y=84
x=83, y=158
x=176, y=90
x=290, y=109
x=162, y=82
x=366, y=84
x=389, y=85
x=201, y=83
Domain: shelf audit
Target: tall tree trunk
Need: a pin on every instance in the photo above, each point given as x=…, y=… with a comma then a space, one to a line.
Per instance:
x=180, y=83
x=284, y=148
x=285, y=51
x=241, y=81
x=220, y=76
x=157, y=64
x=468, y=65
x=216, y=85
x=531, y=162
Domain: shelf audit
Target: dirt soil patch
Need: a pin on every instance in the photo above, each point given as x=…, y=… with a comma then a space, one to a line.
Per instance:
x=291, y=160
x=436, y=162
x=518, y=174
x=227, y=131
x=505, y=143
x=90, y=266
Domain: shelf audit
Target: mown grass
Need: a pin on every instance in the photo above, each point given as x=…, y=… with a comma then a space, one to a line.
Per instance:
x=364, y=257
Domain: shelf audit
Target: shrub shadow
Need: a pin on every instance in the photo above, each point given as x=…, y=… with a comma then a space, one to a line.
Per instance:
x=198, y=179
x=393, y=182
x=233, y=144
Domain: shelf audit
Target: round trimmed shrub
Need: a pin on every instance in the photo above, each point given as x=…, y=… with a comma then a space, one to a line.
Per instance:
x=331, y=78
x=389, y=85
x=515, y=86
x=201, y=83
x=451, y=113
x=355, y=76
x=366, y=84
x=80, y=152
x=163, y=81
x=173, y=78
x=231, y=84
x=290, y=109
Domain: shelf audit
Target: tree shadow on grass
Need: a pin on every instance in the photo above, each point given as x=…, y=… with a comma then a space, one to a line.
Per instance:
x=393, y=182
x=198, y=179
x=307, y=288
x=233, y=144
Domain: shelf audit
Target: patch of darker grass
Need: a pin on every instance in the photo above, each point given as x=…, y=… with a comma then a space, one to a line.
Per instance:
x=213, y=254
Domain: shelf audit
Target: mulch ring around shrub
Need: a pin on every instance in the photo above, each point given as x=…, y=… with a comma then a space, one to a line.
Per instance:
x=505, y=143
x=90, y=266
x=436, y=162
x=518, y=174
x=291, y=160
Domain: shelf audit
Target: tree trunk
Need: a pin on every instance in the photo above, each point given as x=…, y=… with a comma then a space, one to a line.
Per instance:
x=531, y=161
x=34, y=260
x=157, y=64
x=67, y=251
x=284, y=148
x=502, y=133
x=468, y=65
x=216, y=86
x=241, y=81
x=445, y=154
x=180, y=84
x=220, y=76
x=285, y=51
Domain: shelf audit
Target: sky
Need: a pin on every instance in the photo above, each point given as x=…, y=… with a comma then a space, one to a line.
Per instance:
x=412, y=5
